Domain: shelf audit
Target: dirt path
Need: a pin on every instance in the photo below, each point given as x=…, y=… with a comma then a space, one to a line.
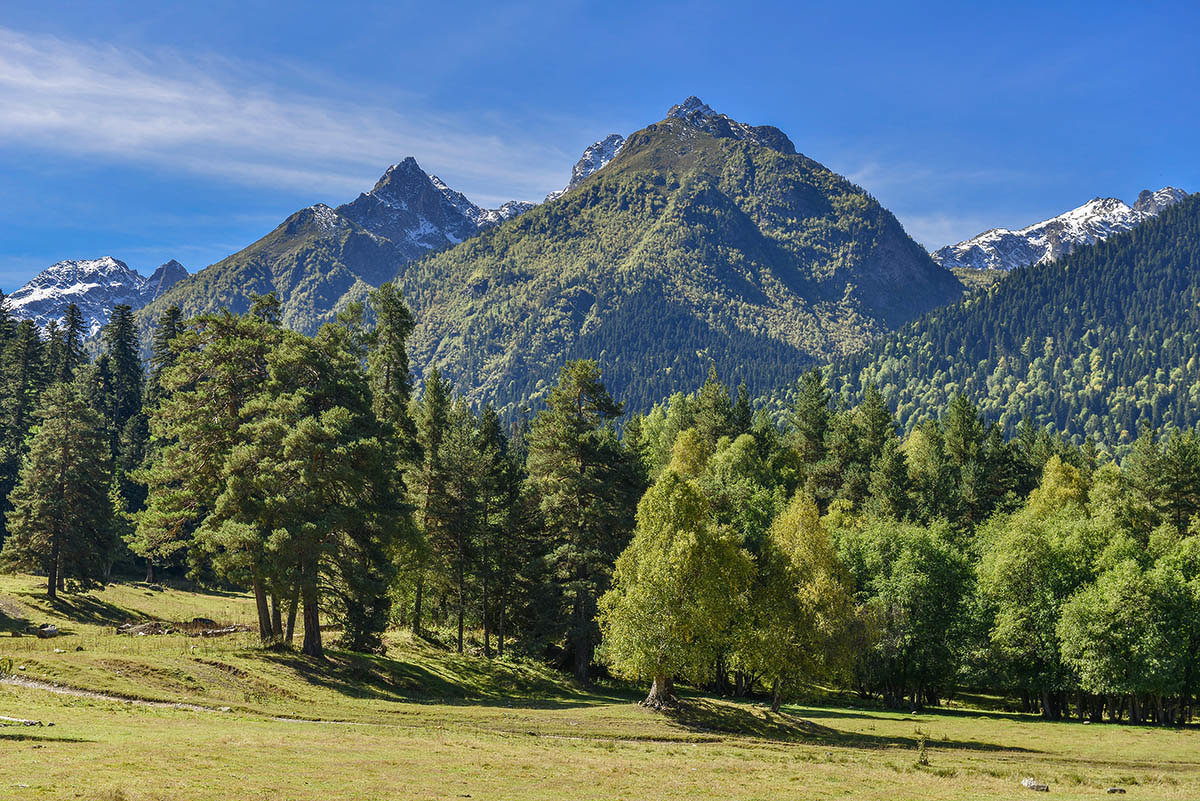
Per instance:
x=75, y=692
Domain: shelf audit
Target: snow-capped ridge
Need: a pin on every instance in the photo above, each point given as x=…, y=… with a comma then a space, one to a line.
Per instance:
x=1048, y=240
x=94, y=285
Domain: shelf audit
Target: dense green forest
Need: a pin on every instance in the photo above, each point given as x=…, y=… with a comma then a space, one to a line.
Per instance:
x=702, y=541
x=1097, y=344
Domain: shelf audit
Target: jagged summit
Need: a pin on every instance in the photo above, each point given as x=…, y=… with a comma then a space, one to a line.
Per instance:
x=1046, y=241
x=594, y=158
x=1151, y=203
x=700, y=115
x=94, y=285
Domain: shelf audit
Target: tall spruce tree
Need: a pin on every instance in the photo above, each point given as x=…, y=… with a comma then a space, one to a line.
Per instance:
x=587, y=486
x=427, y=481
x=61, y=518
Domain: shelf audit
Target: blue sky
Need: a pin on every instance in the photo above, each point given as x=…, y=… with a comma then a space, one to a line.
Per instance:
x=150, y=131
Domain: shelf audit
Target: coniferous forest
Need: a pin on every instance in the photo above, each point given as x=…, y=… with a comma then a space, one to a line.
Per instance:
x=705, y=542
x=1096, y=345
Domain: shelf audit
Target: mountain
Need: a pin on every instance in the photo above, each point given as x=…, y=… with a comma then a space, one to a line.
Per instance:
x=1001, y=249
x=702, y=239
x=594, y=158
x=321, y=258
x=94, y=285
x=1096, y=344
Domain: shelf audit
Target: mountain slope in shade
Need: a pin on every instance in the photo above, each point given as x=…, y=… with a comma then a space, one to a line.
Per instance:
x=94, y=285
x=320, y=258
x=1046, y=241
x=703, y=240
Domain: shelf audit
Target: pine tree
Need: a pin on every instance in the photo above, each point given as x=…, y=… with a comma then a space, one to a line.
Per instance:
x=61, y=519
x=387, y=365
x=23, y=379
x=810, y=419
x=586, y=485
x=221, y=363
x=427, y=482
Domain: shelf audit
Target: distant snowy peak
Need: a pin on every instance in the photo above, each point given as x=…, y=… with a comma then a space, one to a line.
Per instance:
x=1046, y=241
x=94, y=285
x=700, y=115
x=595, y=158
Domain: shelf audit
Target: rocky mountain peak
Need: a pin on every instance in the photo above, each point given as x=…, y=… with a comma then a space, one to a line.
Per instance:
x=594, y=158
x=699, y=114
x=1151, y=203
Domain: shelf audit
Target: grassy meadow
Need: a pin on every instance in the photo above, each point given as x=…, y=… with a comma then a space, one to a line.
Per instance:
x=424, y=723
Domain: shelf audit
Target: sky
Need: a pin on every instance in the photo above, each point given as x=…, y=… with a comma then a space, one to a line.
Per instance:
x=153, y=130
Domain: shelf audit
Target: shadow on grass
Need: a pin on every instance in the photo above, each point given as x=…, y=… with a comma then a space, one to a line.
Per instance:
x=11, y=623
x=40, y=738
x=89, y=609
x=899, y=714
x=465, y=681
x=710, y=717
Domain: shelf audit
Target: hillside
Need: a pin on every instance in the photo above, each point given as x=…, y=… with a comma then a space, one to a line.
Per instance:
x=1097, y=344
x=704, y=239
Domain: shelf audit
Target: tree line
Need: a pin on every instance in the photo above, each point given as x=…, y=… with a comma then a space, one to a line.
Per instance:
x=704, y=541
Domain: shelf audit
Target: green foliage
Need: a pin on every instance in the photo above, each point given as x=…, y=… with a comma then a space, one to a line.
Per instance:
x=61, y=521
x=586, y=484
x=675, y=588
x=1098, y=344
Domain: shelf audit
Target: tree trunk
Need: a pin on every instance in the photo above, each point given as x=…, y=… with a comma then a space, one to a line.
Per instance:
x=662, y=693
x=487, y=618
x=312, y=621
x=293, y=603
x=264, y=614
x=583, y=643
x=776, y=695
x=52, y=578
x=500, y=632
x=149, y=572
x=416, y=620
x=461, y=601
x=276, y=618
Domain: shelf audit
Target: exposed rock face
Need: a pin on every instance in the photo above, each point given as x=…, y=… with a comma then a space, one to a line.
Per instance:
x=594, y=158
x=1046, y=241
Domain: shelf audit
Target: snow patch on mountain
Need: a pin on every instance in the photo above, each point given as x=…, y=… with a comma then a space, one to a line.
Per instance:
x=94, y=285
x=594, y=158
x=1046, y=241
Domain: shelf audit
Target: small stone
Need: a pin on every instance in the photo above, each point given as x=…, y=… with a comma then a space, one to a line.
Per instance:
x=59, y=651
x=20, y=667
x=1030, y=783
x=1115, y=791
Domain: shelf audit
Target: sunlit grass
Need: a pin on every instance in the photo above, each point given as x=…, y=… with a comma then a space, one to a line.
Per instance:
x=424, y=723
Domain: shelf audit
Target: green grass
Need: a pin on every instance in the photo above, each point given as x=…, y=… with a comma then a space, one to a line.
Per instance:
x=426, y=724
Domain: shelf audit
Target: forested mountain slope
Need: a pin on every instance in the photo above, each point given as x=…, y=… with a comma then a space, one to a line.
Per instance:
x=703, y=240
x=1097, y=344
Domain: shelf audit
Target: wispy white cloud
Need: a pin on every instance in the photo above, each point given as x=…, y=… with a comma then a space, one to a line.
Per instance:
x=214, y=117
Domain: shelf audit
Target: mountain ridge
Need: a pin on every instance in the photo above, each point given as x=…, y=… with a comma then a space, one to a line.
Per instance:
x=1053, y=238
